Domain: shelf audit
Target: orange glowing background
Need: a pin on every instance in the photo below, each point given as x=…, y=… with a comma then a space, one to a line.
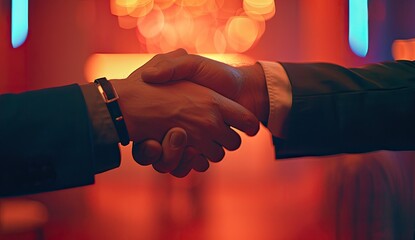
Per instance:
x=201, y=26
x=247, y=196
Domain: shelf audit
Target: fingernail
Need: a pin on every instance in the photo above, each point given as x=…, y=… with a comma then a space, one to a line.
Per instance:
x=177, y=140
x=150, y=152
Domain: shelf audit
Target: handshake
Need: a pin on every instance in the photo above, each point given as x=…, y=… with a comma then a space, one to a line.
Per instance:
x=179, y=109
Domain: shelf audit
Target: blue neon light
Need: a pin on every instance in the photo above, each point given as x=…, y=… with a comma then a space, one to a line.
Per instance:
x=358, y=27
x=20, y=22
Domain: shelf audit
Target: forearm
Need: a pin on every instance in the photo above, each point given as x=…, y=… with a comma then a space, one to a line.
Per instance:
x=256, y=86
x=340, y=110
x=46, y=141
x=105, y=138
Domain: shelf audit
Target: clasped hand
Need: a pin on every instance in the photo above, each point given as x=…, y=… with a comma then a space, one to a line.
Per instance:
x=191, y=119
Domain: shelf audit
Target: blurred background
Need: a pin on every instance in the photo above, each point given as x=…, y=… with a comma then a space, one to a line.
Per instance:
x=250, y=194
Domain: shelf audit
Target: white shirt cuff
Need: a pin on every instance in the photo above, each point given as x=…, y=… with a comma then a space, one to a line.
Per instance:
x=280, y=96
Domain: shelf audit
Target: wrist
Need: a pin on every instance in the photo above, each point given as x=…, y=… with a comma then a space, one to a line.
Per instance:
x=122, y=91
x=258, y=100
x=111, y=99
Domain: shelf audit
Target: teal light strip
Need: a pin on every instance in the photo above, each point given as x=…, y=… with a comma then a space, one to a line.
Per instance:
x=358, y=27
x=20, y=22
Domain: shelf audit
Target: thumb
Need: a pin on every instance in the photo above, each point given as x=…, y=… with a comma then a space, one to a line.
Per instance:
x=217, y=76
x=174, y=144
x=154, y=75
x=147, y=152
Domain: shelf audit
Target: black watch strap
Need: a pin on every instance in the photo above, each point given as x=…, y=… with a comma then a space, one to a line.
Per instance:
x=111, y=100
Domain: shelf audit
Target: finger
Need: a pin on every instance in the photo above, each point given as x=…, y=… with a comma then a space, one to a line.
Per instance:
x=147, y=152
x=183, y=169
x=237, y=116
x=213, y=151
x=228, y=138
x=185, y=166
x=200, y=163
x=173, y=146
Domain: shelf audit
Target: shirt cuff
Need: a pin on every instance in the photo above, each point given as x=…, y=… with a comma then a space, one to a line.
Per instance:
x=280, y=96
x=105, y=135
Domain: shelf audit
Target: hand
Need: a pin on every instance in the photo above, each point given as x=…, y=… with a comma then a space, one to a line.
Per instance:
x=174, y=158
x=150, y=110
x=246, y=85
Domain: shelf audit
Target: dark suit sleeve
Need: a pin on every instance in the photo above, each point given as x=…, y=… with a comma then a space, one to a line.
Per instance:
x=339, y=110
x=45, y=141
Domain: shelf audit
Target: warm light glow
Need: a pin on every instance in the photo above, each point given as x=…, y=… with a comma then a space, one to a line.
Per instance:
x=358, y=27
x=151, y=24
x=199, y=26
x=19, y=22
x=259, y=8
x=163, y=4
x=241, y=33
x=142, y=8
x=113, y=66
x=168, y=40
x=184, y=25
x=117, y=66
x=219, y=41
x=205, y=41
x=191, y=3
x=404, y=49
x=121, y=7
x=127, y=3
x=127, y=22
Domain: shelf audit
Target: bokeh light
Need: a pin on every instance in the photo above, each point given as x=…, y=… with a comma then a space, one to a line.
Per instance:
x=141, y=8
x=163, y=4
x=262, y=9
x=168, y=40
x=122, y=7
x=151, y=24
x=241, y=33
x=404, y=49
x=200, y=26
x=19, y=22
x=127, y=22
x=359, y=27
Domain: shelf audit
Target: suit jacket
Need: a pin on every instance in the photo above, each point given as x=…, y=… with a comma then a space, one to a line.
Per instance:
x=339, y=110
x=46, y=141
